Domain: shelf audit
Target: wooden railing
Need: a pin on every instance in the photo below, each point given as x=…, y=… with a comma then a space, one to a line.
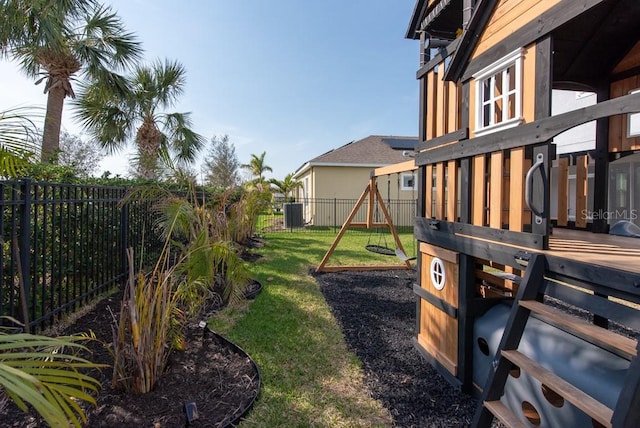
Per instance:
x=482, y=182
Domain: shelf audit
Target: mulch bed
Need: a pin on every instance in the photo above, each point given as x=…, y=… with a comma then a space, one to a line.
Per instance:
x=376, y=311
x=211, y=373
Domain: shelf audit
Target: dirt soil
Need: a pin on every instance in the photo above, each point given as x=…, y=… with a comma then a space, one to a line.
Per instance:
x=377, y=313
x=210, y=373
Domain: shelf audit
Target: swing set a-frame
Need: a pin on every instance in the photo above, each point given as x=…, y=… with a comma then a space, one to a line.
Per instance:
x=374, y=199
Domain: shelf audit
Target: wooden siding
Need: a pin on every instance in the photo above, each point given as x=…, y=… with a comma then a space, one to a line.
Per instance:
x=582, y=163
x=631, y=60
x=618, y=125
x=438, y=333
x=563, y=191
x=509, y=16
x=442, y=104
x=452, y=190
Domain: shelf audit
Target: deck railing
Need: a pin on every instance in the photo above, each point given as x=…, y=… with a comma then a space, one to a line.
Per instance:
x=497, y=186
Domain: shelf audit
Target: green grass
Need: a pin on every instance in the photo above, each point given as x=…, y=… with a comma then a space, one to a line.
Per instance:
x=310, y=378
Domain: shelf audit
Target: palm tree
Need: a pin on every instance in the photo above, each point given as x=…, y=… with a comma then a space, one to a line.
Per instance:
x=258, y=167
x=287, y=185
x=55, y=41
x=114, y=117
x=18, y=141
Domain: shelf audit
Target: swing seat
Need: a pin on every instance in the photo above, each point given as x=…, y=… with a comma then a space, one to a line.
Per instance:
x=380, y=249
x=402, y=256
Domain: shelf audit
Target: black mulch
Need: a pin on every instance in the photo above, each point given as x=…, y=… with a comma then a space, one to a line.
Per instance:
x=221, y=380
x=377, y=313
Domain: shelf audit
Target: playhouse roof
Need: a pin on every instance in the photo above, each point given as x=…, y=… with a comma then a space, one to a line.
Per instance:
x=586, y=43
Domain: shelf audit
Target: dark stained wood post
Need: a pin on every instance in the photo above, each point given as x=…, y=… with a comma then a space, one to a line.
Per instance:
x=601, y=169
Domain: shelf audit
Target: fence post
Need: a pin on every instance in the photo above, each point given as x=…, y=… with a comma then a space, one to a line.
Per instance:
x=24, y=240
x=124, y=238
x=335, y=214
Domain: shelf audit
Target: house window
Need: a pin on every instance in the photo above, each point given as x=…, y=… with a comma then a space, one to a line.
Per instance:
x=499, y=94
x=408, y=182
x=634, y=121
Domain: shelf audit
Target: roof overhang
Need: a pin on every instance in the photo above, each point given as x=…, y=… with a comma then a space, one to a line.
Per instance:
x=470, y=35
x=441, y=21
x=589, y=39
x=413, y=31
x=309, y=165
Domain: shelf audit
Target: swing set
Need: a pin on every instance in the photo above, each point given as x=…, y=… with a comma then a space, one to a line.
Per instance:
x=375, y=205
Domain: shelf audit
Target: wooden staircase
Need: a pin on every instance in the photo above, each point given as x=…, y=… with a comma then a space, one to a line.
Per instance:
x=626, y=413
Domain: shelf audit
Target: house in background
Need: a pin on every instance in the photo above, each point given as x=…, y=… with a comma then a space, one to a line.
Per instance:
x=343, y=174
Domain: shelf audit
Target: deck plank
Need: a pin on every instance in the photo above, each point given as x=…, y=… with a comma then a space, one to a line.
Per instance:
x=618, y=252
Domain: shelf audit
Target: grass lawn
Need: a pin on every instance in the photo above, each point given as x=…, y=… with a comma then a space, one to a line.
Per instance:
x=310, y=379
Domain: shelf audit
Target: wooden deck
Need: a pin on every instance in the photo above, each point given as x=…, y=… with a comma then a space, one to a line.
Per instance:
x=617, y=252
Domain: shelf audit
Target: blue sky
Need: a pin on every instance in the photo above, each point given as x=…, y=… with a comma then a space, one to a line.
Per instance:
x=294, y=78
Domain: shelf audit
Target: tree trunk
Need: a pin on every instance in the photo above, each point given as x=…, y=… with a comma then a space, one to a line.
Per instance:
x=52, y=122
x=148, y=139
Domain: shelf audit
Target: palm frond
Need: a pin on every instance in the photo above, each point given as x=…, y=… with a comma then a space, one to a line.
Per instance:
x=170, y=78
x=101, y=111
x=45, y=373
x=103, y=42
x=181, y=137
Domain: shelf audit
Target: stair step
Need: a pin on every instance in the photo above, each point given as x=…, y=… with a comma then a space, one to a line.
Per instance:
x=504, y=414
x=607, y=339
x=575, y=396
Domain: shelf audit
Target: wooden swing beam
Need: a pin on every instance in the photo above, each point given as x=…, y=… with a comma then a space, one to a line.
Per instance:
x=372, y=194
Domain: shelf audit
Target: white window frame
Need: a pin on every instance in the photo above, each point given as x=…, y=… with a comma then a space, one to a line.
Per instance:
x=402, y=181
x=633, y=121
x=500, y=66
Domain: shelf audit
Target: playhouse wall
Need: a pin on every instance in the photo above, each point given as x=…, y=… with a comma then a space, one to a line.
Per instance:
x=438, y=334
x=528, y=90
x=619, y=140
x=509, y=15
x=443, y=101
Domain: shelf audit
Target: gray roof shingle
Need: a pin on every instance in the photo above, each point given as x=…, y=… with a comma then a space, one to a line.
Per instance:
x=372, y=150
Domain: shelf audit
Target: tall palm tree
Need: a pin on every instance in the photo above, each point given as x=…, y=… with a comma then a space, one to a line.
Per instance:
x=116, y=115
x=258, y=167
x=58, y=40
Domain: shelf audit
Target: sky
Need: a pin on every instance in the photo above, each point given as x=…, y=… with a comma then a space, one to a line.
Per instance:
x=292, y=78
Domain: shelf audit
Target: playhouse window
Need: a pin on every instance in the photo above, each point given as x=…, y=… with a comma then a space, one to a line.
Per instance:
x=499, y=94
x=408, y=182
x=634, y=121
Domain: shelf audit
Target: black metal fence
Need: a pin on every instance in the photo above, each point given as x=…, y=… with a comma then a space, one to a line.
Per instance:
x=63, y=244
x=328, y=215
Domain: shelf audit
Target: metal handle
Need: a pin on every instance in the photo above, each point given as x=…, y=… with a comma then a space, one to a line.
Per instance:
x=529, y=183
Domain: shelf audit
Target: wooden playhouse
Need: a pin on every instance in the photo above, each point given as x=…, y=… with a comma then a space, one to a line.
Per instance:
x=524, y=296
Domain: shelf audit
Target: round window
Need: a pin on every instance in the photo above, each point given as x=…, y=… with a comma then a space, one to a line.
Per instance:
x=438, y=276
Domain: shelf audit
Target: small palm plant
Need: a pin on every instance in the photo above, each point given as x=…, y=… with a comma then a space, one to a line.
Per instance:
x=46, y=373
x=149, y=327
x=286, y=186
x=194, y=263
